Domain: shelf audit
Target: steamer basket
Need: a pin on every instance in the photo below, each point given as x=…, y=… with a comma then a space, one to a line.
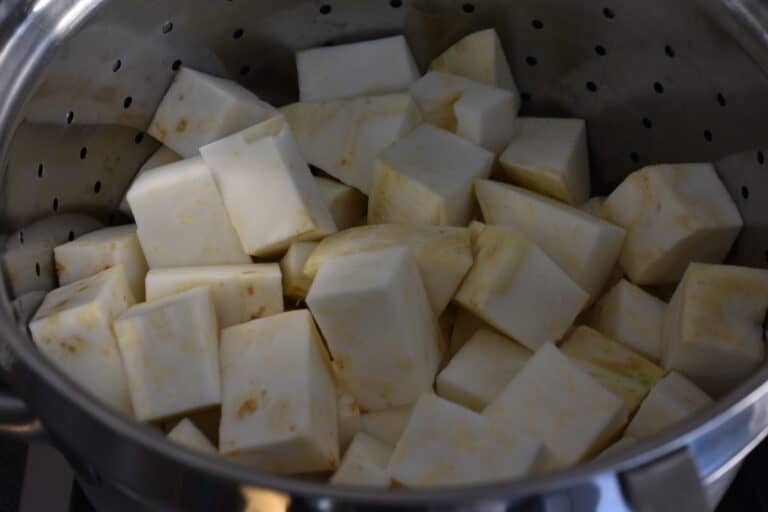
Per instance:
x=657, y=81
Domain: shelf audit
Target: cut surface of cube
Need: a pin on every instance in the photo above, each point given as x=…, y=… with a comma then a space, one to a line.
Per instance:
x=296, y=284
x=349, y=417
x=279, y=398
x=163, y=156
x=199, y=109
x=187, y=434
x=344, y=137
x=584, y=246
x=346, y=204
x=427, y=178
x=376, y=318
x=443, y=254
x=621, y=371
x=712, y=331
x=170, y=353
x=364, y=463
x=380, y=66
x=268, y=189
x=549, y=156
x=180, y=217
x=446, y=444
x=240, y=292
x=554, y=400
x=674, y=214
x=73, y=329
x=102, y=249
x=386, y=425
x=632, y=316
x=673, y=399
x=481, y=369
x=512, y=282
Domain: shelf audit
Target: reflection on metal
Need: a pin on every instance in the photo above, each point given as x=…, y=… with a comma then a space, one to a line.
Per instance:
x=262, y=500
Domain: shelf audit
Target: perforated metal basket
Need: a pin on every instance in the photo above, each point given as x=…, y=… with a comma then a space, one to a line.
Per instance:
x=658, y=81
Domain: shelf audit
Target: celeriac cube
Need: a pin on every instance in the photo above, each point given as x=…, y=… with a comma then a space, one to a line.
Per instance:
x=670, y=401
x=295, y=283
x=632, y=316
x=199, y=109
x=443, y=254
x=593, y=205
x=436, y=93
x=673, y=214
x=584, y=246
x=375, y=316
x=344, y=137
x=100, y=250
x=346, y=204
x=446, y=444
x=180, y=217
x=267, y=188
x=515, y=287
x=379, y=66
x=364, y=463
x=187, y=434
x=465, y=326
x=349, y=417
x=278, y=396
x=73, y=329
x=554, y=400
x=549, y=156
x=163, y=156
x=713, y=329
x=481, y=369
x=621, y=371
x=427, y=178
x=170, y=354
x=239, y=292
x=387, y=425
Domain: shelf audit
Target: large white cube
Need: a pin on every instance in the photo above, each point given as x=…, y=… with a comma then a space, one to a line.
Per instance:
x=386, y=425
x=181, y=218
x=673, y=214
x=364, y=463
x=382, y=334
x=163, y=156
x=296, y=284
x=239, y=292
x=170, y=351
x=200, y=108
x=73, y=329
x=346, y=204
x=584, y=246
x=267, y=188
x=187, y=434
x=379, y=66
x=278, y=396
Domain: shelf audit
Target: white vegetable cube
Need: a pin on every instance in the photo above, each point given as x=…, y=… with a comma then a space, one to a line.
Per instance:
x=436, y=94
x=513, y=282
x=267, y=188
x=200, y=108
x=443, y=254
x=295, y=283
x=279, y=399
x=481, y=369
x=380, y=66
x=73, y=329
x=383, y=337
x=584, y=246
x=364, y=463
x=427, y=178
x=593, y=205
x=187, y=434
x=673, y=399
x=550, y=156
x=673, y=214
x=100, y=250
x=163, y=156
x=170, y=353
x=240, y=292
x=446, y=444
x=349, y=418
x=346, y=204
x=386, y=425
x=713, y=329
x=632, y=316
x=554, y=400
x=344, y=137
x=181, y=219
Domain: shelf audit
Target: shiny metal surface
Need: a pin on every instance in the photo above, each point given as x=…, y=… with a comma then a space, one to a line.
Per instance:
x=657, y=81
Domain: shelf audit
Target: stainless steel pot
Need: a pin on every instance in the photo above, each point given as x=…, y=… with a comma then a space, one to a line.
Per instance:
x=657, y=81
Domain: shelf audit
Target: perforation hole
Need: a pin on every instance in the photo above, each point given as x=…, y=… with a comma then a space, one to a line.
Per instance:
x=591, y=86
x=167, y=27
x=468, y=8
x=721, y=99
x=238, y=34
x=531, y=61
x=117, y=65
x=127, y=102
x=745, y=192
x=760, y=158
x=395, y=4
x=634, y=157
x=37, y=269
x=658, y=87
x=139, y=138
x=647, y=123
x=97, y=187
x=608, y=13
x=708, y=135
x=83, y=153
x=176, y=64
x=55, y=204
x=669, y=51
x=600, y=50
x=325, y=9
x=70, y=117
x=40, y=170
x=245, y=70
x=71, y=236
x=537, y=24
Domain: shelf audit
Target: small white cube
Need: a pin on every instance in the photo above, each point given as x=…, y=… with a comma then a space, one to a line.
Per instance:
x=386, y=425
x=240, y=292
x=187, y=434
x=349, y=417
x=375, y=316
x=170, y=351
x=346, y=204
x=296, y=284
x=446, y=444
x=100, y=250
x=73, y=329
x=279, y=399
x=267, y=188
x=364, y=463
x=380, y=66
x=200, y=108
x=163, y=156
x=427, y=177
